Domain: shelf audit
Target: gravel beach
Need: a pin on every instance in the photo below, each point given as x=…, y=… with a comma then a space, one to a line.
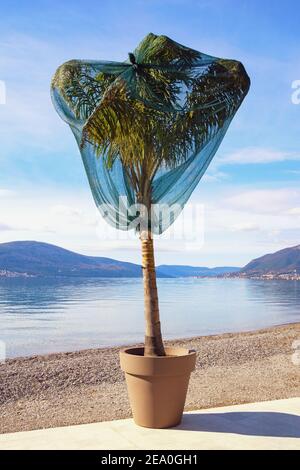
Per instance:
x=88, y=386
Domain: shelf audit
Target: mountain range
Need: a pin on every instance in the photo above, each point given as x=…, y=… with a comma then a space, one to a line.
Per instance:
x=31, y=258
x=280, y=262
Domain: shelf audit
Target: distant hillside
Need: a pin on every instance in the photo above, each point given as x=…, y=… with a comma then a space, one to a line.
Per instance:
x=43, y=259
x=283, y=261
x=188, y=271
x=30, y=258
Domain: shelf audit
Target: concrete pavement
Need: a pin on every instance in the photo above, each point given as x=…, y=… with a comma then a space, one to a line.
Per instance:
x=264, y=425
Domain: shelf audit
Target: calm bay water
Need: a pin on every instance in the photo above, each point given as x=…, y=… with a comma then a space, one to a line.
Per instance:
x=43, y=316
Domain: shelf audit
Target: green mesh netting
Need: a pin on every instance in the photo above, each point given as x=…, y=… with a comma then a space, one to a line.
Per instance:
x=148, y=128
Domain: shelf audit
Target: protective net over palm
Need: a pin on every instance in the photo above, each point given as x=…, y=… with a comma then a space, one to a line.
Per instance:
x=147, y=128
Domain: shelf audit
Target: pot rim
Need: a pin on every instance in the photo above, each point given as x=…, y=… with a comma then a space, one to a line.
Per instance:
x=179, y=361
x=136, y=350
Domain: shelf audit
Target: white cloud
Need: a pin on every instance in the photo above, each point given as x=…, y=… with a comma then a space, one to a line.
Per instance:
x=245, y=227
x=257, y=155
x=73, y=215
x=4, y=193
x=61, y=209
x=264, y=201
x=293, y=172
x=215, y=176
x=294, y=211
x=5, y=227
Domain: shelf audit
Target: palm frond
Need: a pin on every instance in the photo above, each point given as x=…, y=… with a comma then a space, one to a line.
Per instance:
x=161, y=50
x=79, y=88
x=159, y=112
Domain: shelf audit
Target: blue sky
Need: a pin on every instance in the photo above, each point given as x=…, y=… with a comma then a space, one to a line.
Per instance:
x=250, y=194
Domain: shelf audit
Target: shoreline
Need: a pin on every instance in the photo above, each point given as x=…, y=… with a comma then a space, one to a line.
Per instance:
x=120, y=346
x=167, y=341
x=87, y=386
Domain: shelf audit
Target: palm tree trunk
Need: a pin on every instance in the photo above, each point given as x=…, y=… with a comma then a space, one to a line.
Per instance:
x=153, y=338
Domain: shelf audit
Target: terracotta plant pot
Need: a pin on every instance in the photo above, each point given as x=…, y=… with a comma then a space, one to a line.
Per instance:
x=157, y=386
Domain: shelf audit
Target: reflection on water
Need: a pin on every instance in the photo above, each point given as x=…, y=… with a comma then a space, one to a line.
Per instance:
x=41, y=316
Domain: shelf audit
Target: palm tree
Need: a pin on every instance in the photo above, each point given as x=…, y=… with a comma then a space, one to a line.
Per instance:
x=156, y=113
